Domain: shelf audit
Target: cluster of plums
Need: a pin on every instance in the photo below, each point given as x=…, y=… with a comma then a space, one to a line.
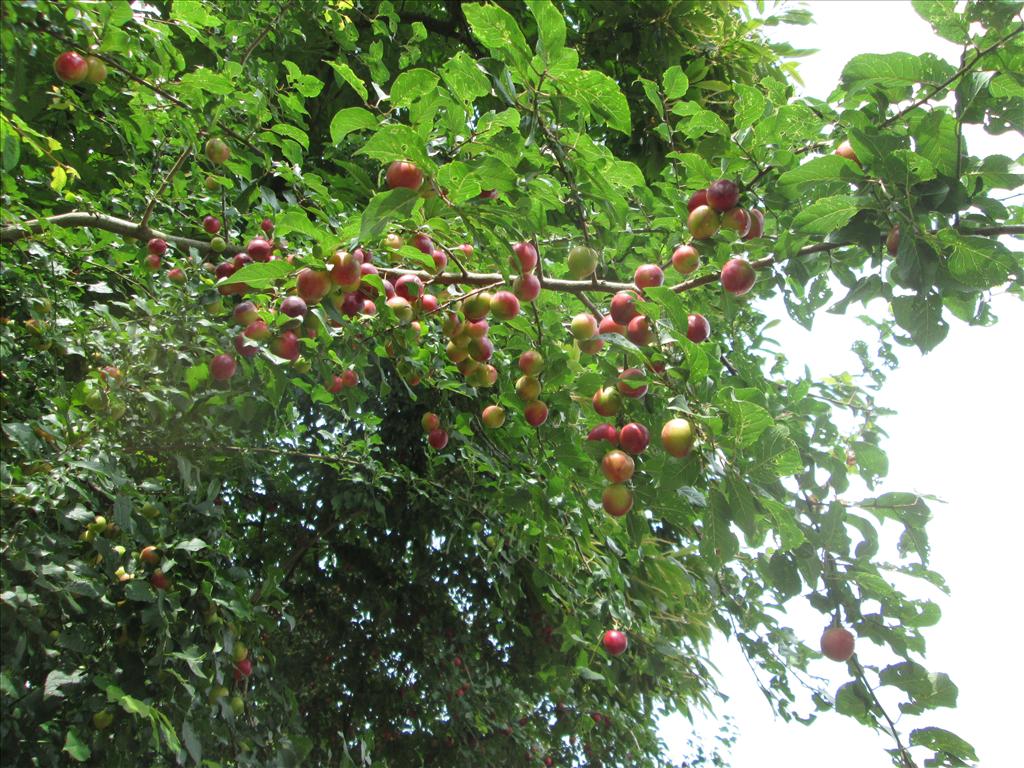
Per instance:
x=74, y=68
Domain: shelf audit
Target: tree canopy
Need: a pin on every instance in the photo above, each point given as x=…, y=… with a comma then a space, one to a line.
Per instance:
x=307, y=462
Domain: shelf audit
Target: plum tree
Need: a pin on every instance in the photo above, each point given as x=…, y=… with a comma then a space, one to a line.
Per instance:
x=370, y=253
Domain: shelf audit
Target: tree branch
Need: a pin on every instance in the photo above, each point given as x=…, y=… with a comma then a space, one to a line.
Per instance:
x=185, y=154
x=85, y=220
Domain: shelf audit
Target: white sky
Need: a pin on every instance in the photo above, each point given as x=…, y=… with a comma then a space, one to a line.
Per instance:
x=957, y=435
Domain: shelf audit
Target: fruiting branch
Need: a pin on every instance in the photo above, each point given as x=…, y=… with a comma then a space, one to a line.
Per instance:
x=84, y=220
x=952, y=78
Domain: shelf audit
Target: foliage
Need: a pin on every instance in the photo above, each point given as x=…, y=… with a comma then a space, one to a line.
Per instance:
x=409, y=606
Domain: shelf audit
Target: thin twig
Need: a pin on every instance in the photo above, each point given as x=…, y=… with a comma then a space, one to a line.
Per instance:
x=263, y=33
x=185, y=154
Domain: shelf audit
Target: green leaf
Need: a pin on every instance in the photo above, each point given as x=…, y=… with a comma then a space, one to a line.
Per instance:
x=943, y=742
x=979, y=262
x=550, y=27
x=396, y=142
x=825, y=216
x=75, y=747
x=465, y=78
x=296, y=220
x=896, y=73
x=497, y=29
x=195, y=14
x=746, y=422
x=718, y=544
x=749, y=106
x=346, y=73
x=600, y=95
x=306, y=85
x=191, y=545
x=942, y=15
x=589, y=674
x=675, y=82
x=456, y=179
x=289, y=130
x=852, y=700
x=385, y=207
x=345, y=121
x=922, y=318
x=412, y=85
x=826, y=168
x=927, y=690
x=260, y=274
x=205, y=80
x=697, y=121
x=139, y=591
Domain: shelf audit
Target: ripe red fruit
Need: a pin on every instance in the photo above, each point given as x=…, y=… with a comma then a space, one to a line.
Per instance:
x=157, y=246
x=71, y=67
x=615, y=642
x=504, y=305
x=837, y=643
x=590, y=346
x=583, y=326
x=346, y=270
x=481, y=349
x=159, y=580
x=423, y=242
x=428, y=304
x=401, y=307
x=403, y=174
x=286, y=345
x=437, y=438
x=259, y=249
x=723, y=195
x=293, y=306
x=697, y=328
x=267, y=226
x=617, y=500
x=648, y=276
x=604, y=432
x=493, y=417
x=222, y=367
x=440, y=260
x=488, y=194
x=736, y=219
x=685, y=259
x=476, y=329
x=409, y=287
x=349, y=378
x=257, y=330
x=312, y=285
x=639, y=331
x=245, y=312
x=738, y=276
x=176, y=275
x=245, y=350
x=369, y=308
x=526, y=287
x=608, y=325
x=756, y=225
x=477, y=306
x=524, y=258
x=244, y=667
x=633, y=382
x=430, y=421
x=633, y=438
x=892, y=241
x=617, y=466
x=211, y=224
x=531, y=362
x=152, y=262
x=677, y=437
x=703, y=222
x=846, y=150
x=527, y=388
x=607, y=401
x=97, y=70
x=536, y=413
x=697, y=199
x=217, y=152
x=623, y=307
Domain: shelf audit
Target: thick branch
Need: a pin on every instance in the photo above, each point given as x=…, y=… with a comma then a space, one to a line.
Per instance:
x=80, y=219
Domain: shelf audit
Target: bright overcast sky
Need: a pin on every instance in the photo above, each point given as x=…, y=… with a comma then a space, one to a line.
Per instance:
x=957, y=436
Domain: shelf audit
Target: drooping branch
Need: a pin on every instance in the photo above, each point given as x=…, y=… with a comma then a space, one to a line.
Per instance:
x=85, y=220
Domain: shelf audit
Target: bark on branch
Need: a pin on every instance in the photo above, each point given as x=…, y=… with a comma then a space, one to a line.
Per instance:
x=85, y=220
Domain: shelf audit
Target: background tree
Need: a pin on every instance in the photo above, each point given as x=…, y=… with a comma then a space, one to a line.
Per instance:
x=337, y=577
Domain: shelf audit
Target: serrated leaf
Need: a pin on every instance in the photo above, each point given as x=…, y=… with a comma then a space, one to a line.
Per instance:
x=75, y=747
x=497, y=29
x=550, y=27
x=749, y=106
x=345, y=121
x=260, y=274
x=349, y=76
x=827, y=215
x=396, y=142
x=384, y=208
x=944, y=742
x=922, y=318
x=600, y=95
x=979, y=262
x=675, y=82
x=412, y=85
